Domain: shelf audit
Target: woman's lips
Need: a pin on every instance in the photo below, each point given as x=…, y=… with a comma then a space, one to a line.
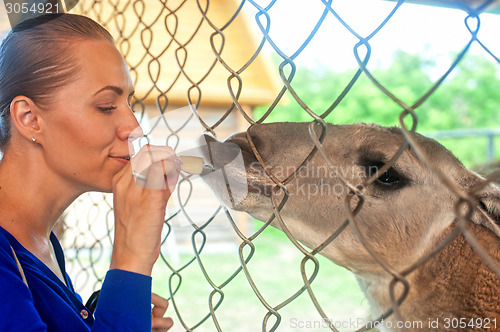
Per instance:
x=123, y=160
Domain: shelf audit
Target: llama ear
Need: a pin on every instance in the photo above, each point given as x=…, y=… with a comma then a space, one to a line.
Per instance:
x=487, y=213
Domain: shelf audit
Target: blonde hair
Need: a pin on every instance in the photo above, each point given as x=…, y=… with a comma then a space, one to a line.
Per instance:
x=35, y=59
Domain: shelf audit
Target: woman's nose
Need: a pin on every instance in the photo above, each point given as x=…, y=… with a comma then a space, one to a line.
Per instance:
x=130, y=128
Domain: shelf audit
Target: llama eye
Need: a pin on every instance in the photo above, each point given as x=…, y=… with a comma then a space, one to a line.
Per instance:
x=388, y=179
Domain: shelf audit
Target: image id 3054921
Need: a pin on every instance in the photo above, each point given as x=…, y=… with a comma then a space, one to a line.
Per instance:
x=21, y=10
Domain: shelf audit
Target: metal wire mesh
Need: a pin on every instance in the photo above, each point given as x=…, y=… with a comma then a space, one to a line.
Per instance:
x=152, y=37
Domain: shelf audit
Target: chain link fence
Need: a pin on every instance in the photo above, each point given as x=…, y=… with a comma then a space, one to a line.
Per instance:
x=202, y=66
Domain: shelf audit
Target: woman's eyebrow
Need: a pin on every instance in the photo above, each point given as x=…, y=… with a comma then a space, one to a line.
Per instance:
x=116, y=89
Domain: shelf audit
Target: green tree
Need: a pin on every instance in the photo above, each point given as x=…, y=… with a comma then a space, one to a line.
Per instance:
x=468, y=98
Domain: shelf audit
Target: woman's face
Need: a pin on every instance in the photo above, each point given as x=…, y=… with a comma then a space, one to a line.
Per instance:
x=86, y=129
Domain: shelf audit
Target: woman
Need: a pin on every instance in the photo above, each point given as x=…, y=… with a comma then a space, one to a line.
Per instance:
x=65, y=123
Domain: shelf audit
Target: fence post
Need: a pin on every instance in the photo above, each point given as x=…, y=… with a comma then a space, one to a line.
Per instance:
x=491, y=147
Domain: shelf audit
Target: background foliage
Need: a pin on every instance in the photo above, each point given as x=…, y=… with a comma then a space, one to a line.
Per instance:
x=469, y=98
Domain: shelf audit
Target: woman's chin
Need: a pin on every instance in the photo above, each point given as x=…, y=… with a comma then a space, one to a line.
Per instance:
x=105, y=187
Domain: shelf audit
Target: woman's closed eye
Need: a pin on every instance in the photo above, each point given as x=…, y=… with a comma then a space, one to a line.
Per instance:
x=106, y=109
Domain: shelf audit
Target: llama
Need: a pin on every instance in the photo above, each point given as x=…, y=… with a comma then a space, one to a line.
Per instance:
x=406, y=212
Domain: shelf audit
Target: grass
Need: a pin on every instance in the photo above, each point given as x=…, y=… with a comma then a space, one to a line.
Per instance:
x=275, y=271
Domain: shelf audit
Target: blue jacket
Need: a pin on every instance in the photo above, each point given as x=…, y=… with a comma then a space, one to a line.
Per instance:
x=48, y=305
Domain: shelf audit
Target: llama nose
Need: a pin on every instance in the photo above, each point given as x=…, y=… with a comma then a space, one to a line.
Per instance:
x=218, y=154
x=241, y=140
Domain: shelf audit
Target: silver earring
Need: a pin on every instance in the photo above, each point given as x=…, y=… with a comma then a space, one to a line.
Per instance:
x=33, y=140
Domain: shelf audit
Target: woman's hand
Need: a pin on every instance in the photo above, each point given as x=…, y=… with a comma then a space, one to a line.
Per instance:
x=160, y=305
x=139, y=204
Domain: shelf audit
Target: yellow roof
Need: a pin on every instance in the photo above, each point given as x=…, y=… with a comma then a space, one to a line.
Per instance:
x=159, y=41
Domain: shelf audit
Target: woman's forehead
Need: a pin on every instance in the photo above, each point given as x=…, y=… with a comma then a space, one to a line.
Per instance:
x=100, y=63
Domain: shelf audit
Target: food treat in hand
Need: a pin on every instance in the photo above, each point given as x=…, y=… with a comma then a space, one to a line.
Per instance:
x=192, y=164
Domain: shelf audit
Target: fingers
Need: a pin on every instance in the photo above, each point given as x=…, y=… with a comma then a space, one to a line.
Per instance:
x=139, y=213
x=160, y=305
x=162, y=324
x=156, y=167
x=150, y=154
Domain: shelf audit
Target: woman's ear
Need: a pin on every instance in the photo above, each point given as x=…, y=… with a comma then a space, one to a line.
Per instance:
x=25, y=117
